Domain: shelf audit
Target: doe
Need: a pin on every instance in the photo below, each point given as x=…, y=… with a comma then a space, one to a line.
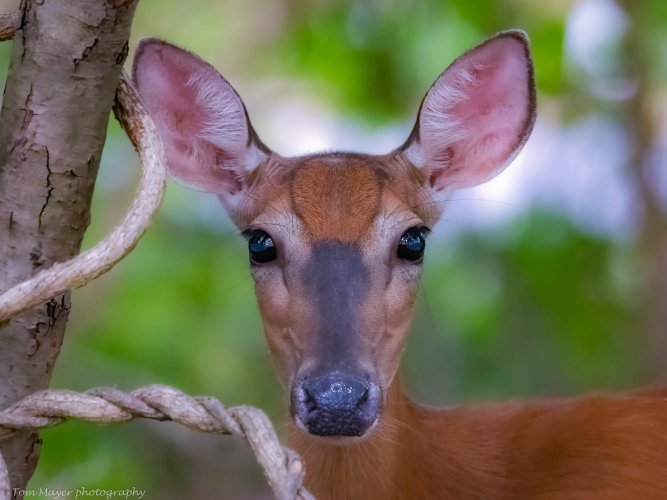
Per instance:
x=336, y=243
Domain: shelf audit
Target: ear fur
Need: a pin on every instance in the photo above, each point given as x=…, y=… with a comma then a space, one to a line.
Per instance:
x=477, y=115
x=208, y=139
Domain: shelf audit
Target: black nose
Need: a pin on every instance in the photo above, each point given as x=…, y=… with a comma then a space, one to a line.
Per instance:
x=336, y=404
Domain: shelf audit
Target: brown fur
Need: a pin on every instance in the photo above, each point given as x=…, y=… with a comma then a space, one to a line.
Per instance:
x=336, y=200
x=594, y=447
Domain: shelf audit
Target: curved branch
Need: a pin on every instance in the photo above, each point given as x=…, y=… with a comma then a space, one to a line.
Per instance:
x=283, y=467
x=122, y=239
x=96, y=261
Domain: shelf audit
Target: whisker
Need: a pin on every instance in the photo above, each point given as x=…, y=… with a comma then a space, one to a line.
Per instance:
x=486, y=200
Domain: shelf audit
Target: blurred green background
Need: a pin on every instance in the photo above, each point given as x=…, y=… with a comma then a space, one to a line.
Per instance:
x=549, y=281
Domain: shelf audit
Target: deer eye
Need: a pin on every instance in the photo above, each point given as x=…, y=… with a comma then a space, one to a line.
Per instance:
x=412, y=244
x=261, y=247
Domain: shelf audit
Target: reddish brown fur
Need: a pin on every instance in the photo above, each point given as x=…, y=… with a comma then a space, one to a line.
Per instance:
x=594, y=447
x=352, y=186
x=336, y=200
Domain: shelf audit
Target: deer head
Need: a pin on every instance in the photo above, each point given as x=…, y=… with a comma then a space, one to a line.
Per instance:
x=336, y=240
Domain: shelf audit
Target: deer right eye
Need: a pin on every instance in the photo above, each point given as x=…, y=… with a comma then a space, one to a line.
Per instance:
x=412, y=244
x=261, y=247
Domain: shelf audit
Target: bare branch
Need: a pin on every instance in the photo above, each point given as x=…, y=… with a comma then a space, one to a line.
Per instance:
x=121, y=240
x=282, y=466
x=66, y=61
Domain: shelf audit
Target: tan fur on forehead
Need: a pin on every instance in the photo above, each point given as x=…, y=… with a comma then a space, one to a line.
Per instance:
x=336, y=198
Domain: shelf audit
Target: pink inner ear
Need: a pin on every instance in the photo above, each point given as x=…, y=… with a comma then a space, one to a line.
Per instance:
x=478, y=114
x=198, y=115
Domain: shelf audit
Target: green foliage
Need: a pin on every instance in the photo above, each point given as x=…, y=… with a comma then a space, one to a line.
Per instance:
x=377, y=59
x=530, y=309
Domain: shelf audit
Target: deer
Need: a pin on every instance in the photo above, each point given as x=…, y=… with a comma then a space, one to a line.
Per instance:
x=336, y=242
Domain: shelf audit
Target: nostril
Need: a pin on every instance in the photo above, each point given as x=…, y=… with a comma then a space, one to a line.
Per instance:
x=363, y=399
x=310, y=404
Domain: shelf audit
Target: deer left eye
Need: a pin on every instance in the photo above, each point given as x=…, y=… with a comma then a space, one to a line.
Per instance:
x=412, y=244
x=261, y=247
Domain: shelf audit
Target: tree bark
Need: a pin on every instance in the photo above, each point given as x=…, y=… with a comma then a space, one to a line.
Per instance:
x=66, y=60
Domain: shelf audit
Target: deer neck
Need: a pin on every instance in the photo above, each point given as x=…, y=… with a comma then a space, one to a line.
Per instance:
x=416, y=452
x=367, y=469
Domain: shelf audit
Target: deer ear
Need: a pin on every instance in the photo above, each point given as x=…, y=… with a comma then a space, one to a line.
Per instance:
x=208, y=140
x=477, y=115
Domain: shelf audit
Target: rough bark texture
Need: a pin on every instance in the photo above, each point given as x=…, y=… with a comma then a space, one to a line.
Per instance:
x=66, y=60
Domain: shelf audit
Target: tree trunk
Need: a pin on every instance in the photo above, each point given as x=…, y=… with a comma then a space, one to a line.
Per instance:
x=66, y=60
